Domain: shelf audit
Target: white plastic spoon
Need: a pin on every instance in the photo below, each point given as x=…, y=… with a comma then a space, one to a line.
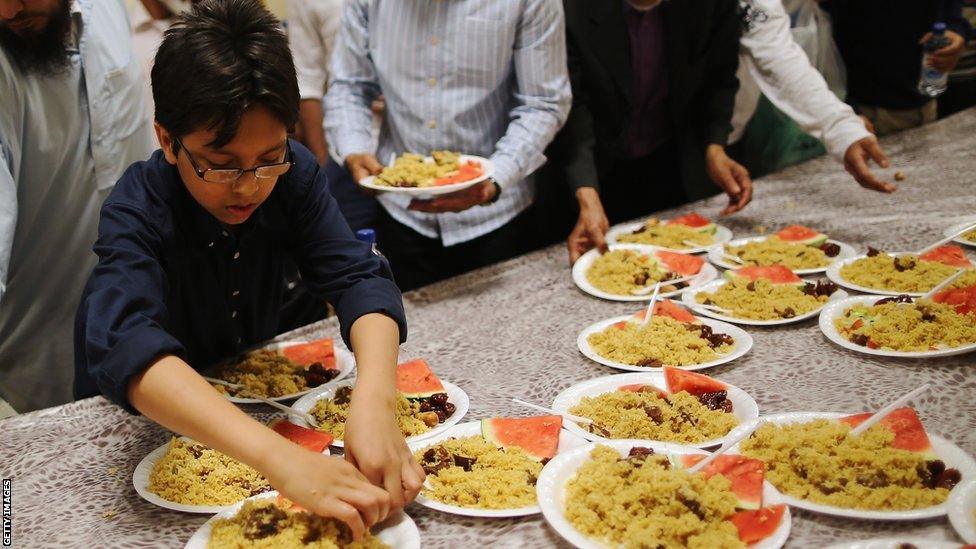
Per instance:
x=882, y=413
x=571, y=417
x=713, y=308
x=649, y=289
x=945, y=240
x=304, y=415
x=650, y=305
x=725, y=447
x=943, y=284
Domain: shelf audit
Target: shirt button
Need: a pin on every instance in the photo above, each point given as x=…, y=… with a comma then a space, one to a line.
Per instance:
x=225, y=233
x=432, y=82
x=236, y=293
x=432, y=124
x=233, y=314
x=237, y=254
x=434, y=41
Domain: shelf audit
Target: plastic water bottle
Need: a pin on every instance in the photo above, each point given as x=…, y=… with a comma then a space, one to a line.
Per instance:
x=932, y=81
x=369, y=237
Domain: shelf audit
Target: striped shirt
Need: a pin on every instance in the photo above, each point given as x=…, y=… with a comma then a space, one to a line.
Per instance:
x=483, y=77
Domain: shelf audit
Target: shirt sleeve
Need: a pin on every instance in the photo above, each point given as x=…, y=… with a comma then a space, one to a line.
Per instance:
x=954, y=19
x=354, y=85
x=8, y=216
x=337, y=267
x=720, y=83
x=784, y=74
x=542, y=94
x=119, y=326
x=576, y=142
x=307, y=48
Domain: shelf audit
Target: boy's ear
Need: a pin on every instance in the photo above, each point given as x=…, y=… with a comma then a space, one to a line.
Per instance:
x=166, y=142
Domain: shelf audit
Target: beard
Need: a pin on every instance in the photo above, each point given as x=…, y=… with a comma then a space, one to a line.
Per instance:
x=44, y=51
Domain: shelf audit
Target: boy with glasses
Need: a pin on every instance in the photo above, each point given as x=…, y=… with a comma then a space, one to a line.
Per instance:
x=192, y=246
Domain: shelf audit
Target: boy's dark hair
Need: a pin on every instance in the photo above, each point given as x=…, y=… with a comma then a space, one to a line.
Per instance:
x=216, y=61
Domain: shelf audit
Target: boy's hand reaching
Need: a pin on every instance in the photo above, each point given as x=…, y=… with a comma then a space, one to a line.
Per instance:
x=375, y=445
x=328, y=486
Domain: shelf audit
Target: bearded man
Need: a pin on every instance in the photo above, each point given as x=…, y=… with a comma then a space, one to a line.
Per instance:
x=71, y=120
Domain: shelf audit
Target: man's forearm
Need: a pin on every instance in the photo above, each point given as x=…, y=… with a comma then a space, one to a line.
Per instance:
x=375, y=340
x=310, y=114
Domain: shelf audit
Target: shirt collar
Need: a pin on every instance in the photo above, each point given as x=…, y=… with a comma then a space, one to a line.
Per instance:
x=77, y=25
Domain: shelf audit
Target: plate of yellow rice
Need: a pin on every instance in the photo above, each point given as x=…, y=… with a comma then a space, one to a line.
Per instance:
x=622, y=342
x=322, y=404
x=676, y=237
x=413, y=174
x=631, y=267
x=808, y=454
x=501, y=483
x=770, y=250
x=968, y=238
x=923, y=329
x=878, y=274
x=267, y=521
x=962, y=510
x=765, y=304
x=184, y=475
x=627, y=413
x=592, y=502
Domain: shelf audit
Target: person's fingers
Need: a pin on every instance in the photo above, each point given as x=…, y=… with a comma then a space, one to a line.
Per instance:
x=925, y=38
x=745, y=183
x=732, y=188
x=372, y=165
x=874, y=151
x=857, y=166
x=597, y=236
x=574, y=243
x=341, y=510
x=413, y=480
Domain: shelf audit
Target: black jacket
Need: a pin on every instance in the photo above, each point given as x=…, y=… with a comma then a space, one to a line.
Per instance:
x=702, y=42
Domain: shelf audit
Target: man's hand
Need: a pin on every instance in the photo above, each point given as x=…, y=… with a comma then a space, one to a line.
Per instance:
x=328, y=486
x=458, y=201
x=868, y=125
x=591, y=226
x=374, y=444
x=945, y=59
x=731, y=176
x=362, y=165
x=856, y=163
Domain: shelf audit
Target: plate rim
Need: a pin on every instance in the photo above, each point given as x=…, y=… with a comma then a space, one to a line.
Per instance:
x=343, y=356
x=962, y=506
x=721, y=232
x=833, y=273
x=688, y=299
x=707, y=274
x=488, y=171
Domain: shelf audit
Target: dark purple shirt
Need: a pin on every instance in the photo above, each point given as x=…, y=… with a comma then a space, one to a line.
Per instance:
x=649, y=124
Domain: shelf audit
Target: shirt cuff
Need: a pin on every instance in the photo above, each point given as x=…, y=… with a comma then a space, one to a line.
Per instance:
x=373, y=295
x=506, y=171
x=308, y=91
x=841, y=137
x=133, y=354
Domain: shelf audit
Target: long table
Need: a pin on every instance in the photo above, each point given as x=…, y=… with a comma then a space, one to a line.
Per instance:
x=510, y=330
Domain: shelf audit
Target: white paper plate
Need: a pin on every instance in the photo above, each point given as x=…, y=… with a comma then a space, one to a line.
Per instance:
x=398, y=531
x=688, y=299
x=895, y=543
x=722, y=235
x=836, y=310
x=455, y=395
x=833, y=273
x=487, y=166
x=706, y=274
x=567, y=441
x=140, y=481
x=952, y=455
x=716, y=254
x=742, y=345
x=345, y=362
x=962, y=509
x=551, y=489
x=744, y=407
x=958, y=227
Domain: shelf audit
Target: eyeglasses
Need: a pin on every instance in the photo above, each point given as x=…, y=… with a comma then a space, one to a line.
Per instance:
x=229, y=175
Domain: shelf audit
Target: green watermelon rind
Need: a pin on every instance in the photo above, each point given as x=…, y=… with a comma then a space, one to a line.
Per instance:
x=711, y=228
x=423, y=394
x=816, y=241
x=733, y=275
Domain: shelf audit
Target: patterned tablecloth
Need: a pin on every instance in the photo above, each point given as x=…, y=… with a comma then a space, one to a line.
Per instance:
x=510, y=331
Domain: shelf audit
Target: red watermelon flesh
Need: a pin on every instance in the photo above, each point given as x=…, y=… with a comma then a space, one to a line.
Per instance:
x=314, y=440
x=696, y=384
x=801, y=235
x=777, y=274
x=683, y=264
x=669, y=309
x=306, y=354
x=693, y=220
x=963, y=299
x=950, y=254
x=416, y=380
x=745, y=474
x=537, y=436
x=640, y=388
x=909, y=431
x=758, y=525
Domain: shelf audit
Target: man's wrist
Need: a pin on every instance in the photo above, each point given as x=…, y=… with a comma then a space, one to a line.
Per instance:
x=496, y=195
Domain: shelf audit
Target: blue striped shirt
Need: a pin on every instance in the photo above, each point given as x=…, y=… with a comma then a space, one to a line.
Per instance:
x=484, y=77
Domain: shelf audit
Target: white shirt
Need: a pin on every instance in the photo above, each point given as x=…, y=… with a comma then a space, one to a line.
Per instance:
x=772, y=63
x=64, y=140
x=312, y=28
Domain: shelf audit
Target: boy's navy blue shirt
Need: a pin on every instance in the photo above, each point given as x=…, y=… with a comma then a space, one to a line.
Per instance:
x=171, y=279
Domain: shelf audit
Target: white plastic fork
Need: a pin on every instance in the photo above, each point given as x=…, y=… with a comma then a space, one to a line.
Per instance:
x=725, y=447
x=882, y=413
x=649, y=313
x=945, y=240
x=649, y=289
x=571, y=417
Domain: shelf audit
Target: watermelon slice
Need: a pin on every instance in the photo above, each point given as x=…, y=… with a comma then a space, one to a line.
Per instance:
x=777, y=274
x=465, y=172
x=316, y=441
x=695, y=384
x=696, y=221
x=415, y=380
x=306, y=354
x=963, y=299
x=745, y=474
x=950, y=254
x=802, y=235
x=683, y=264
x=909, y=431
x=758, y=525
x=669, y=309
x=537, y=436
x=640, y=388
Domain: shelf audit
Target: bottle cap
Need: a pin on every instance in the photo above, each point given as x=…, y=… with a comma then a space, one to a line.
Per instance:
x=366, y=235
x=939, y=27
